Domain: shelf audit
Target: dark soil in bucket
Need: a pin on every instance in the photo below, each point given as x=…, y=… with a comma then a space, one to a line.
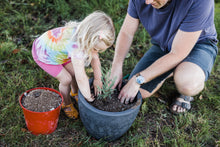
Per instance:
x=41, y=100
x=112, y=104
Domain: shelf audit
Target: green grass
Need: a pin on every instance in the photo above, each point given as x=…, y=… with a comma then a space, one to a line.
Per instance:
x=22, y=21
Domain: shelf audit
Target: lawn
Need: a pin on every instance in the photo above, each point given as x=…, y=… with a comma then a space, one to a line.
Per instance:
x=22, y=21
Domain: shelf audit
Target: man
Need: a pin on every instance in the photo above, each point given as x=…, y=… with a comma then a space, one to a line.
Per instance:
x=184, y=42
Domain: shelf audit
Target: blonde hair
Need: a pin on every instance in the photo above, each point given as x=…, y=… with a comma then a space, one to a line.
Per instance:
x=93, y=28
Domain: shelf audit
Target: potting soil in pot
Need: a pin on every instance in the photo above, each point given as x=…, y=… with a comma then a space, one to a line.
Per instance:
x=41, y=100
x=112, y=104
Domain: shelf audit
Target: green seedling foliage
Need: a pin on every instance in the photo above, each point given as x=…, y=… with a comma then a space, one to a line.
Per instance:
x=106, y=90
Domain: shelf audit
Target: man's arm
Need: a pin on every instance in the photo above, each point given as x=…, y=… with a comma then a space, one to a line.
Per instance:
x=123, y=44
x=181, y=47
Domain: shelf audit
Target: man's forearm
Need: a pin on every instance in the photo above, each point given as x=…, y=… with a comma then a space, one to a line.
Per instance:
x=123, y=44
x=181, y=47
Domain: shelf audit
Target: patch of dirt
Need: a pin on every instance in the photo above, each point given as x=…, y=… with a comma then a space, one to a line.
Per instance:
x=41, y=100
x=112, y=104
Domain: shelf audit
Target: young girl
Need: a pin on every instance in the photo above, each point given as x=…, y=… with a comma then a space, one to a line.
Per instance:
x=64, y=52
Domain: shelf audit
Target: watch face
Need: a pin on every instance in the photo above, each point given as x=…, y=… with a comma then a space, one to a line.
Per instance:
x=140, y=80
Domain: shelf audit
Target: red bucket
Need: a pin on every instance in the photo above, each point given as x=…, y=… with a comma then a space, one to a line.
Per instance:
x=41, y=122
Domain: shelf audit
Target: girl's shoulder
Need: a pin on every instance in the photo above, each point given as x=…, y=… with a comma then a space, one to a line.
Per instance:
x=57, y=35
x=78, y=54
x=53, y=33
x=59, y=32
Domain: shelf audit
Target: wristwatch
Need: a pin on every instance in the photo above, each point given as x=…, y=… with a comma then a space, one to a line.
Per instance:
x=140, y=79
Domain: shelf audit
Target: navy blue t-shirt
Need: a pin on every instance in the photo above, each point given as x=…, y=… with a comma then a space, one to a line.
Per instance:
x=186, y=15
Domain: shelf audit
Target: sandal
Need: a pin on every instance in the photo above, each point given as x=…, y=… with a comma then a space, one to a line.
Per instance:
x=73, y=113
x=74, y=95
x=183, y=104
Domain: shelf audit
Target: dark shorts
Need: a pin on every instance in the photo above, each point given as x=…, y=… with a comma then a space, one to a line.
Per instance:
x=203, y=54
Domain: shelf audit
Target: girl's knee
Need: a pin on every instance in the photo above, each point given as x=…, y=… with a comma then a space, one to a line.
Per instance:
x=66, y=80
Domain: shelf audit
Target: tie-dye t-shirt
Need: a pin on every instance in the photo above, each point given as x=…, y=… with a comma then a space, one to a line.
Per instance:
x=55, y=46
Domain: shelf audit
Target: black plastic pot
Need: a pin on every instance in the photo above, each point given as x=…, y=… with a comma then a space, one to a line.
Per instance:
x=107, y=125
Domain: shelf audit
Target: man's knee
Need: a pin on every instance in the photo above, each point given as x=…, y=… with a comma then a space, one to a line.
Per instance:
x=189, y=88
x=189, y=78
x=145, y=93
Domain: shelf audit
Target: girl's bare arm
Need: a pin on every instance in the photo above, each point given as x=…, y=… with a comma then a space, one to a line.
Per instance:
x=81, y=78
x=96, y=66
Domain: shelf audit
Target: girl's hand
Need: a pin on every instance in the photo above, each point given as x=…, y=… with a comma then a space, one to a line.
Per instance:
x=97, y=83
x=91, y=99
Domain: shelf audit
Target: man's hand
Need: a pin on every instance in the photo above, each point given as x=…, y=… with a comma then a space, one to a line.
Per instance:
x=116, y=76
x=129, y=91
